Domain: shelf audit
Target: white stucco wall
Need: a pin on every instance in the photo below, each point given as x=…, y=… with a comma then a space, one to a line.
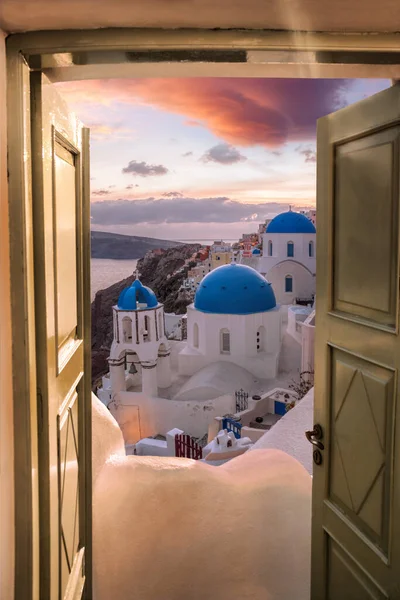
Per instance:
x=307, y=344
x=243, y=341
x=303, y=281
x=279, y=249
x=215, y=380
x=174, y=528
x=6, y=397
x=141, y=416
x=107, y=439
x=288, y=433
x=296, y=317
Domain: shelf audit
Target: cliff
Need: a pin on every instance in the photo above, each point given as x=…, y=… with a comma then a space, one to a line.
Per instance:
x=154, y=273
x=117, y=246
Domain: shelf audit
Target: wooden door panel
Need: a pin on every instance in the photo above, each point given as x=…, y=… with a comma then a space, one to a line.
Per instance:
x=346, y=580
x=361, y=452
x=366, y=227
x=68, y=482
x=65, y=208
x=356, y=488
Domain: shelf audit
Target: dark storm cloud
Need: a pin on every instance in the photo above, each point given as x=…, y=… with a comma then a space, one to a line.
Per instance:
x=143, y=169
x=223, y=154
x=180, y=210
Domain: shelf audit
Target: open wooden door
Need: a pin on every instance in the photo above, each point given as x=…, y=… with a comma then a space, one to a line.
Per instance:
x=356, y=485
x=61, y=231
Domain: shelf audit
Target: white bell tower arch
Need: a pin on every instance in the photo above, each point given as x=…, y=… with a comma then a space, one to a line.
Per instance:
x=140, y=350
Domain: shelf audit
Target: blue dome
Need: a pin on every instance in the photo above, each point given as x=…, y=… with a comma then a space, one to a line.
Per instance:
x=256, y=251
x=290, y=222
x=130, y=296
x=234, y=290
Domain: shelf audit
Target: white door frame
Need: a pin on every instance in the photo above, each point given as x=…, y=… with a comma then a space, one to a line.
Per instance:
x=114, y=52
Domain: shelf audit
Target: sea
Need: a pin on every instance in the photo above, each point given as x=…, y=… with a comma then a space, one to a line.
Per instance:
x=106, y=271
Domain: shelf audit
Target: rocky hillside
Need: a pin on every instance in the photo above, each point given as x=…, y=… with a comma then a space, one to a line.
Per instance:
x=117, y=246
x=154, y=273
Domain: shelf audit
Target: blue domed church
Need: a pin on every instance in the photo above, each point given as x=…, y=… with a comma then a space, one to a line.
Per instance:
x=140, y=352
x=288, y=256
x=234, y=318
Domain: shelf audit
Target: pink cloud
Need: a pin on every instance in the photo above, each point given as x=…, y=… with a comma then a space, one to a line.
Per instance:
x=245, y=112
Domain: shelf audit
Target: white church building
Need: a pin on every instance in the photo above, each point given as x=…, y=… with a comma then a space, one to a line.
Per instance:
x=234, y=318
x=288, y=257
x=233, y=340
x=140, y=352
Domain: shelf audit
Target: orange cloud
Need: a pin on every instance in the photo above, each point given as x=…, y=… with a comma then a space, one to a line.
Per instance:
x=245, y=112
x=102, y=131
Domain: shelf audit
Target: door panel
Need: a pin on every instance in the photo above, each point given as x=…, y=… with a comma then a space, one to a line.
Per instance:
x=356, y=529
x=62, y=294
x=360, y=483
x=66, y=163
x=365, y=259
x=346, y=580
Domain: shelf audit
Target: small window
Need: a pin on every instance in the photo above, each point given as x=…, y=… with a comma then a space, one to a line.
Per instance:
x=195, y=335
x=290, y=249
x=311, y=249
x=225, y=341
x=146, y=333
x=288, y=283
x=270, y=248
x=127, y=330
x=160, y=325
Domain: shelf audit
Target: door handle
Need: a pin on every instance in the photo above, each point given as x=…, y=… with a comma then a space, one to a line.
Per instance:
x=315, y=436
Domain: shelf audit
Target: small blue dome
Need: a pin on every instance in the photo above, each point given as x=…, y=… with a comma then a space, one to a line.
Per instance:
x=234, y=290
x=290, y=222
x=256, y=251
x=130, y=296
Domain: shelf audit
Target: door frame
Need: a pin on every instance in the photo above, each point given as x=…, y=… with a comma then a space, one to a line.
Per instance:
x=107, y=53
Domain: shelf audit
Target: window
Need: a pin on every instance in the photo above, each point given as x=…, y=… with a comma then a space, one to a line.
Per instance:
x=288, y=283
x=225, y=341
x=260, y=339
x=270, y=248
x=127, y=330
x=146, y=332
x=290, y=249
x=160, y=325
x=311, y=249
x=195, y=335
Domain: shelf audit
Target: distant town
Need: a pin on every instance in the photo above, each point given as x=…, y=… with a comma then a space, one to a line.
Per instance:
x=211, y=383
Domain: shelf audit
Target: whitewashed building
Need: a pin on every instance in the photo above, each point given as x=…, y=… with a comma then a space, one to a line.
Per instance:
x=140, y=352
x=234, y=318
x=288, y=258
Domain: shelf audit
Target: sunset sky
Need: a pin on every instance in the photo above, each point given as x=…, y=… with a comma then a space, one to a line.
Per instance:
x=203, y=158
